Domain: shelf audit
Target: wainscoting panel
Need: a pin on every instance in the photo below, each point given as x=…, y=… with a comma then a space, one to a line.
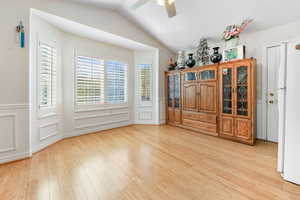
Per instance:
x=100, y=119
x=87, y=121
x=48, y=130
x=8, y=132
x=14, y=132
x=145, y=115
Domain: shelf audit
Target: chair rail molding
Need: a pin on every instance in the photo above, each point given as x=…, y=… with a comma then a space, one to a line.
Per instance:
x=14, y=106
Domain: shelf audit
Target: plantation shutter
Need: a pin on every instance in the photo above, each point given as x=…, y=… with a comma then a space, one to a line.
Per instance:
x=145, y=86
x=47, y=75
x=116, y=82
x=89, y=80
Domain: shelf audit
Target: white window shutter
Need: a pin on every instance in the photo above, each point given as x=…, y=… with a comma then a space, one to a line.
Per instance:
x=47, y=75
x=116, y=82
x=145, y=82
x=89, y=80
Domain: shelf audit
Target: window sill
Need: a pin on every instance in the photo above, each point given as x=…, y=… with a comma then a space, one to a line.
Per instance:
x=101, y=107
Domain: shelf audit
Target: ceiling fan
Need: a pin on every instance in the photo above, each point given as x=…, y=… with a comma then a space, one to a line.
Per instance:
x=169, y=5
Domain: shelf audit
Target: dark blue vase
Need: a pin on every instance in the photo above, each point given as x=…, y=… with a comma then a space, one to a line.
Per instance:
x=191, y=62
x=216, y=57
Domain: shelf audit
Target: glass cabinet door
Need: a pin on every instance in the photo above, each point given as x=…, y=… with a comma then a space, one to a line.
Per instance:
x=190, y=76
x=242, y=90
x=170, y=90
x=227, y=90
x=177, y=90
x=207, y=75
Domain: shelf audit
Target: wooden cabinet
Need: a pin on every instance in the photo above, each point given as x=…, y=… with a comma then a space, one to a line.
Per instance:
x=217, y=99
x=173, y=81
x=237, y=106
x=199, y=96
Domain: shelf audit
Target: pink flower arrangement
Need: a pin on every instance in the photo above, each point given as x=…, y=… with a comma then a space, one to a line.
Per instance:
x=233, y=31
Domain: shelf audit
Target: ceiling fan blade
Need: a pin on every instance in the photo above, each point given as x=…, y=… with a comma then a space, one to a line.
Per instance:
x=138, y=4
x=170, y=7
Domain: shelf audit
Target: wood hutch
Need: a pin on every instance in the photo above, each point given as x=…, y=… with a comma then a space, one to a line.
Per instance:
x=217, y=99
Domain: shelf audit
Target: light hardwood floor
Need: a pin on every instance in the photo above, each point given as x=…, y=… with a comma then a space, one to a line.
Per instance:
x=147, y=162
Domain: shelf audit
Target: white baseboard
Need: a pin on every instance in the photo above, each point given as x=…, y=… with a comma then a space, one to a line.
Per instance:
x=14, y=157
x=75, y=133
x=46, y=143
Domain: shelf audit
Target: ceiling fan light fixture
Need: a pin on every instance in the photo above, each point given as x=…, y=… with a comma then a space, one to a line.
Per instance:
x=162, y=2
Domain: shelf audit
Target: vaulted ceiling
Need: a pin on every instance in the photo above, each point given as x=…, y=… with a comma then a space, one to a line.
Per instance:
x=203, y=18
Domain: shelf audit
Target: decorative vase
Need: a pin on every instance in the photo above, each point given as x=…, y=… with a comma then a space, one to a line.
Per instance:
x=234, y=42
x=191, y=62
x=202, y=53
x=216, y=57
x=171, y=64
x=181, y=60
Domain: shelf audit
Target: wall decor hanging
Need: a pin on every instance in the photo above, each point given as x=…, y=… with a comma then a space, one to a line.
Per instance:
x=21, y=34
x=234, y=53
x=232, y=33
x=202, y=52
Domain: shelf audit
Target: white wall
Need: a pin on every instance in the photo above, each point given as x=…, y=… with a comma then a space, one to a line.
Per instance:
x=85, y=119
x=45, y=125
x=14, y=61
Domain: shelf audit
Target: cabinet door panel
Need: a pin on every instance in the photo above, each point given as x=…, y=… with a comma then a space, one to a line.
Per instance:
x=171, y=115
x=177, y=87
x=170, y=83
x=208, y=97
x=190, y=97
x=226, y=76
x=227, y=126
x=243, y=129
x=242, y=95
x=177, y=116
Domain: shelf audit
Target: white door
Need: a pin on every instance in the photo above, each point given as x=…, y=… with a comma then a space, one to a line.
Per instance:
x=273, y=64
x=292, y=133
x=145, y=91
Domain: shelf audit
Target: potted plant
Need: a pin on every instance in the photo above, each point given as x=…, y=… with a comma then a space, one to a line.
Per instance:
x=232, y=33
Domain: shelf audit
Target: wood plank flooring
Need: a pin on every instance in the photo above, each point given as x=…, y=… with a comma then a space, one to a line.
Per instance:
x=144, y=162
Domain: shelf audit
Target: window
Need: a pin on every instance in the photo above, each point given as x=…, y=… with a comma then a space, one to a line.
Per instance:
x=116, y=82
x=99, y=82
x=89, y=80
x=145, y=79
x=47, y=75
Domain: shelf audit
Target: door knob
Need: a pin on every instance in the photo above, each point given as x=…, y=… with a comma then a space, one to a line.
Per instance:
x=271, y=102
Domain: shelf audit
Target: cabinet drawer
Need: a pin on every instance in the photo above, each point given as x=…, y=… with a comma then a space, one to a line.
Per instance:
x=200, y=125
x=203, y=117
